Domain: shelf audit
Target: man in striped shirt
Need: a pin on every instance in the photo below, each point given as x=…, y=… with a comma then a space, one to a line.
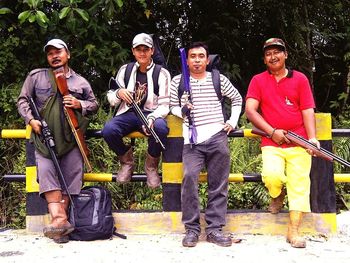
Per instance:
x=210, y=149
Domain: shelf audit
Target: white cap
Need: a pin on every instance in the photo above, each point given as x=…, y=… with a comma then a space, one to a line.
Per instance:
x=57, y=43
x=142, y=39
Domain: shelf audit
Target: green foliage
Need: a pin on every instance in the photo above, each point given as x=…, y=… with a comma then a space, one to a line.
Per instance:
x=34, y=14
x=247, y=196
x=12, y=196
x=12, y=205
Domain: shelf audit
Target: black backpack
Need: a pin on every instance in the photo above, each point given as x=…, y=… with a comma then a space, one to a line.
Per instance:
x=213, y=66
x=92, y=215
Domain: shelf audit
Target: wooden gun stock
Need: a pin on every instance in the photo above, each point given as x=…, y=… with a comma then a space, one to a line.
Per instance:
x=302, y=142
x=62, y=86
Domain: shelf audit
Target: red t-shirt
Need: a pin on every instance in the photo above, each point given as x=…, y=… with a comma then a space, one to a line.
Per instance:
x=281, y=102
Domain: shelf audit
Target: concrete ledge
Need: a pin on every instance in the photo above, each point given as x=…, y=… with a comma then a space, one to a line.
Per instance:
x=35, y=224
x=240, y=222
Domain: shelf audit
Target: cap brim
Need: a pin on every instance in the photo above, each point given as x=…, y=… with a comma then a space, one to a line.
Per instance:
x=275, y=45
x=58, y=46
x=142, y=44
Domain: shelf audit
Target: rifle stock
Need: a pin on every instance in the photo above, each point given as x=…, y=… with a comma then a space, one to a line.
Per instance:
x=50, y=144
x=302, y=142
x=62, y=86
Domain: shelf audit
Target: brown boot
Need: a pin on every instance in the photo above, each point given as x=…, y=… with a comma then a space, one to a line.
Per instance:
x=66, y=202
x=59, y=222
x=293, y=237
x=276, y=204
x=127, y=167
x=151, y=169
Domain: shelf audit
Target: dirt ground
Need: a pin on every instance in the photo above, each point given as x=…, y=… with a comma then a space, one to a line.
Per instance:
x=17, y=246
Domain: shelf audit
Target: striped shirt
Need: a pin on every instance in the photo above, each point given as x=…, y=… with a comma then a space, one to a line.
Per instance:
x=207, y=113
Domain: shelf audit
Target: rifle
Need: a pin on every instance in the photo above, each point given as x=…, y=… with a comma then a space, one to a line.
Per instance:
x=300, y=141
x=62, y=86
x=50, y=144
x=192, y=131
x=113, y=85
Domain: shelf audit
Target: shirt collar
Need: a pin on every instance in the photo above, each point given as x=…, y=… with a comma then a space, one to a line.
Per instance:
x=148, y=67
x=69, y=73
x=289, y=74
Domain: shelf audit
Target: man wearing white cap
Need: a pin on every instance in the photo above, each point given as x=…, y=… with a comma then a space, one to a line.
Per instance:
x=41, y=86
x=136, y=81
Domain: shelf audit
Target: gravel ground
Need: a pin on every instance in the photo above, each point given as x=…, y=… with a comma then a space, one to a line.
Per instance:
x=17, y=246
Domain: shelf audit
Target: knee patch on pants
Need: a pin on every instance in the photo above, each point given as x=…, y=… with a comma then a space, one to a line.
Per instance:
x=273, y=183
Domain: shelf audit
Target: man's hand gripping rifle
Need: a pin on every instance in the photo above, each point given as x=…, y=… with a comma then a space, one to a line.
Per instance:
x=62, y=86
x=114, y=86
x=302, y=142
x=50, y=144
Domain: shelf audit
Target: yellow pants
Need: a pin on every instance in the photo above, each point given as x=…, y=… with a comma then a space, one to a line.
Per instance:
x=290, y=166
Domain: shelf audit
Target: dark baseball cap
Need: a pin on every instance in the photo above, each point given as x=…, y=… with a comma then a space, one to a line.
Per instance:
x=276, y=42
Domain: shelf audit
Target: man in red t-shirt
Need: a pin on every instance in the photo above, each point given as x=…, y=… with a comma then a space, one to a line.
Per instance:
x=280, y=99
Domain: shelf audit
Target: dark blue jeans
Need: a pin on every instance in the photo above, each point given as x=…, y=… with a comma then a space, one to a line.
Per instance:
x=214, y=155
x=121, y=125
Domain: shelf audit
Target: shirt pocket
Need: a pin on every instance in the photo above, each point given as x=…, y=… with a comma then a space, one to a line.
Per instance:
x=77, y=91
x=42, y=93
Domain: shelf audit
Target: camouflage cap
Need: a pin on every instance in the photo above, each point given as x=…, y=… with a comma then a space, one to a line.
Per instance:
x=277, y=42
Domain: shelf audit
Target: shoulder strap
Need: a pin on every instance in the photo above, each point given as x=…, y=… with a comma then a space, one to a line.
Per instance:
x=181, y=88
x=216, y=82
x=217, y=87
x=155, y=77
x=115, y=233
x=128, y=73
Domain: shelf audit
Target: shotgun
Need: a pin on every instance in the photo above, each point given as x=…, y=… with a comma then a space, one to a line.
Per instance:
x=143, y=119
x=62, y=86
x=50, y=144
x=302, y=142
x=113, y=85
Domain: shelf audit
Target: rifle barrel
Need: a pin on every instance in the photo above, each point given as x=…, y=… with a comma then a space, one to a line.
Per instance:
x=61, y=177
x=113, y=84
x=143, y=119
x=50, y=144
x=330, y=156
x=322, y=150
